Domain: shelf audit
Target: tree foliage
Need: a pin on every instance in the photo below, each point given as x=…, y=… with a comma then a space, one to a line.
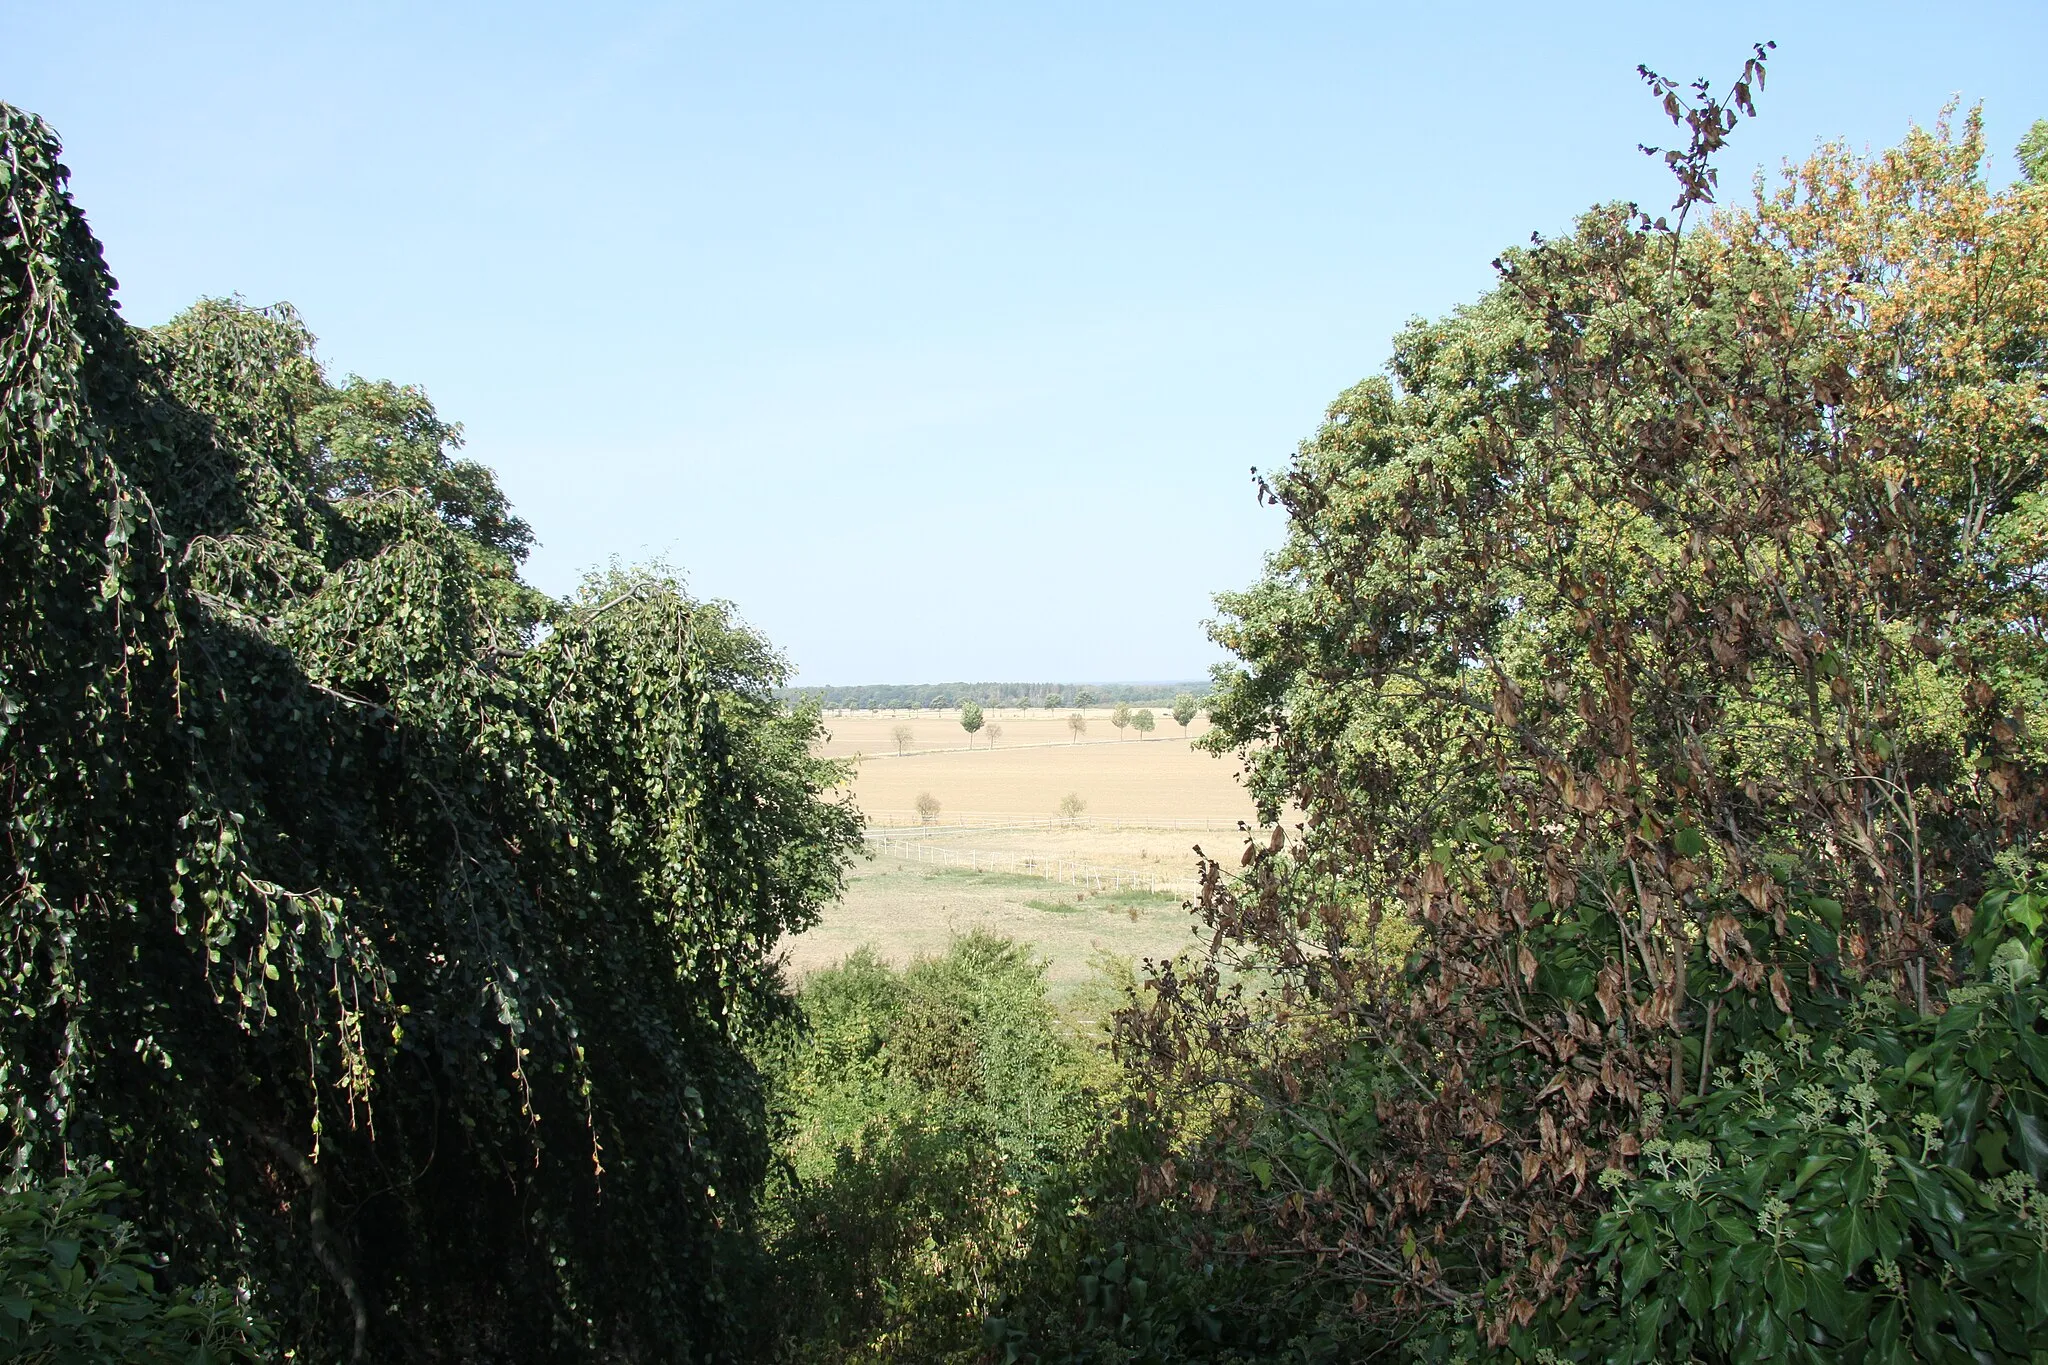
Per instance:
x=927, y=1112
x=1654, y=655
x=392, y=929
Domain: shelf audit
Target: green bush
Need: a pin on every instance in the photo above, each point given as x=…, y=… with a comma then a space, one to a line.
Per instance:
x=77, y=1287
x=925, y=1113
x=1862, y=1183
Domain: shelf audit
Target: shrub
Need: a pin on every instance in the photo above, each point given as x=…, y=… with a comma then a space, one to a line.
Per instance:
x=78, y=1287
x=924, y=1115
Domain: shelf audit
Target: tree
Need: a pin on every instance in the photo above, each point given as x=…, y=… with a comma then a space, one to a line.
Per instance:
x=1121, y=716
x=2032, y=154
x=1077, y=726
x=995, y=732
x=1143, y=721
x=1649, y=658
x=927, y=808
x=1071, y=806
x=1084, y=698
x=1052, y=701
x=334, y=854
x=970, y=720
x=930, y=1112
x=902, y=734
x=1185, y=709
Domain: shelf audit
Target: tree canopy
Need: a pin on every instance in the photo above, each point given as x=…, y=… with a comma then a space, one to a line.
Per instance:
x=1655, y=656
x=393, y=929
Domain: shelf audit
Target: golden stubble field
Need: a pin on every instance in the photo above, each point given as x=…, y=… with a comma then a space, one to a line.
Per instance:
x=874, y=732
x=1032, y=765
x=1110, y=884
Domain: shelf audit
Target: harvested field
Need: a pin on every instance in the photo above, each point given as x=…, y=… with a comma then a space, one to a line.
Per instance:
x=874, y=732
x=999, y=857
x=1128, y=780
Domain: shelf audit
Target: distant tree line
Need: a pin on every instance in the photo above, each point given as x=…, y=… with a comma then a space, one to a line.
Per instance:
x=949, y=696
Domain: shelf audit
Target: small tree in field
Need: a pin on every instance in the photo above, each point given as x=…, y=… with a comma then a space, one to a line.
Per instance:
x=928, y=808
x=1071, y=806
x=1143, y=721
x=995, y=732
x=901, y=734
x=1077, y=726
x=1185, y=708
x=1121, y=717
x=970, y=719
x=1052, y=701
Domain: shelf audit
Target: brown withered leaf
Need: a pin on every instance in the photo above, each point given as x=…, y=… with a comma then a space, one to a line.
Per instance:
x=1608, y=991
x=1526, y=960
x=1507, y=702
x=1781, y=995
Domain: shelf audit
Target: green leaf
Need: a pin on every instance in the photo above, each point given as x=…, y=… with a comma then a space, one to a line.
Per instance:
x=1639, y=1264
x=1851, y=1237
x=2029, y=1140
x=1827, y=1302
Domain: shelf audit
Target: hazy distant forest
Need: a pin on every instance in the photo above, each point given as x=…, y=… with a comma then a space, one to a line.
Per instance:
x=940, y=696
x=1654, y=971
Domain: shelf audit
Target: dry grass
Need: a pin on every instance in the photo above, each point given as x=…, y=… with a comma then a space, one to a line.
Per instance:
x=904, y=911
x=1129, y=779
x=1131, y=786
x=872, y=732
x=1165, y=856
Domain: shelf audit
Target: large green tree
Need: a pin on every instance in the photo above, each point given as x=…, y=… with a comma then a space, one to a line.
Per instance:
x=393, y=929
x=1655, y=655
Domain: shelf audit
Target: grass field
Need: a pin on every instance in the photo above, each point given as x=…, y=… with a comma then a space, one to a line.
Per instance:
x=905, y=911
x=1114, y=882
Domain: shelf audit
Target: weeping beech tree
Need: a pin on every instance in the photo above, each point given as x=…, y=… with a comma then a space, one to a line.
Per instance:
x=1657, y=657
x=392, y=930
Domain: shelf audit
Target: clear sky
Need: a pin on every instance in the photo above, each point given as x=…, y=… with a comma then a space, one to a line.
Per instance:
x=940, y=338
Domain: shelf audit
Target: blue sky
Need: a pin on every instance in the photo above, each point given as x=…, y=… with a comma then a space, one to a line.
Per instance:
x=940, y=338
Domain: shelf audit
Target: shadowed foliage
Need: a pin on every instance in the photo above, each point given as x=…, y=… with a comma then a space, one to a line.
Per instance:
x=392, y=929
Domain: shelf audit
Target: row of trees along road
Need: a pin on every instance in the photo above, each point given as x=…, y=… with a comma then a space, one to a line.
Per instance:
x=395, y=932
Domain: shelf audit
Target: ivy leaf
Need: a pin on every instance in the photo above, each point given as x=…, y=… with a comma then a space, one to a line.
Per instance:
x=1639, y=1265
